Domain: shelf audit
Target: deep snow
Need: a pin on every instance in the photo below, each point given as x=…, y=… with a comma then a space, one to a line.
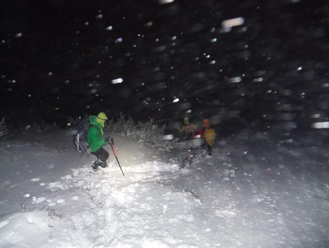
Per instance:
x=256, y=191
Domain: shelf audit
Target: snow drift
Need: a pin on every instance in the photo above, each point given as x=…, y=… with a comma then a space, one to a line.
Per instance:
x=255, y=191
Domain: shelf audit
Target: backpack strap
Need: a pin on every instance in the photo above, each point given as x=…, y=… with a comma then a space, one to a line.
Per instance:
x=99, y=131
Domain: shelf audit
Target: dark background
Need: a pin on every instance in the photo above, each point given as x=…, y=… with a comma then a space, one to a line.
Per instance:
x=65, y=59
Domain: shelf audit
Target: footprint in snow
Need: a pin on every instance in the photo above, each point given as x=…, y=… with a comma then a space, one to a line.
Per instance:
x=68, y=177
x=36, y=200
x=51, y=166
x=57, y=185
x=4, y=223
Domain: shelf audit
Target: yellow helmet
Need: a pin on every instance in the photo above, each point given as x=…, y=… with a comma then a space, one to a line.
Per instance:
x=101, y=118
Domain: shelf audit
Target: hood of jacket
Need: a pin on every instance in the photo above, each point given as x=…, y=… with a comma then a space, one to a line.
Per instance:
x=93, y=121
x=186, y=121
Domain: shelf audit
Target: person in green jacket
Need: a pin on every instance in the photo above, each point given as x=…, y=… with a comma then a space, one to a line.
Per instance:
x=96, y=141
x=188, y=127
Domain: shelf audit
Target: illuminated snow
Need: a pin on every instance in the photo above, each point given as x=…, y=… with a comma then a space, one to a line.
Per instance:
x=117, y=81
x=320, y=125
x=233, y=22
x=235, y=80
x=149, y=24
x=165, y=1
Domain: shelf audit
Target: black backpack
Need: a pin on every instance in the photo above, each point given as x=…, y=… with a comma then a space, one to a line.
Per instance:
x=80, y=134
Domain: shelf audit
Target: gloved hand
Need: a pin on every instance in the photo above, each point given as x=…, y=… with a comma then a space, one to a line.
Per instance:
x=109, y=140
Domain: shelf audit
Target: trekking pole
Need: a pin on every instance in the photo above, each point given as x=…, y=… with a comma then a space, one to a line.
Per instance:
x=115, y=154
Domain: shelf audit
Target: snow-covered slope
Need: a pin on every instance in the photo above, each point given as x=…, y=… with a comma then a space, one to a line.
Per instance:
x=251, y=193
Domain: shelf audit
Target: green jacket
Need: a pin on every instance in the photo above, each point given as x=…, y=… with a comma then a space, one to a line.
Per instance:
x=188, y=127
x=95, y=134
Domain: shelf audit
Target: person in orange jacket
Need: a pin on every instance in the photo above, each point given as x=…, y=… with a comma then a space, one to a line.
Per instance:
x=208, y=135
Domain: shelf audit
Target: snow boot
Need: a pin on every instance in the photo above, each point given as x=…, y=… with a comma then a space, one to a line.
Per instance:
x=96, y=164
x=104, y=165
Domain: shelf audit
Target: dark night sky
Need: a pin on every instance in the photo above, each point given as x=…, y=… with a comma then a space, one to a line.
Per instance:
x=65, y=59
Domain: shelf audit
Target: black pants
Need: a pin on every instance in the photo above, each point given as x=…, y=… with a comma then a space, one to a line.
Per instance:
x=101, y=154
x=207, y=147
x=209, y=150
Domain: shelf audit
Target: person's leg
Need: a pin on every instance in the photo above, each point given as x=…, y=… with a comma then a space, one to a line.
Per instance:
x=203, y=149
x=96, y=163
x=209, y=150
x=102, y=155
x=189, y=136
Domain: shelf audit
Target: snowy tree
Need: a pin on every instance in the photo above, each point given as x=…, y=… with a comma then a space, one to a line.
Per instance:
x=3, y=128
x=147, y=132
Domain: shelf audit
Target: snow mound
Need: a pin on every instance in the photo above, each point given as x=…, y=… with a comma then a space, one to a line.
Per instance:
x=16, y=228
x=253, y=192
x=132, y=211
